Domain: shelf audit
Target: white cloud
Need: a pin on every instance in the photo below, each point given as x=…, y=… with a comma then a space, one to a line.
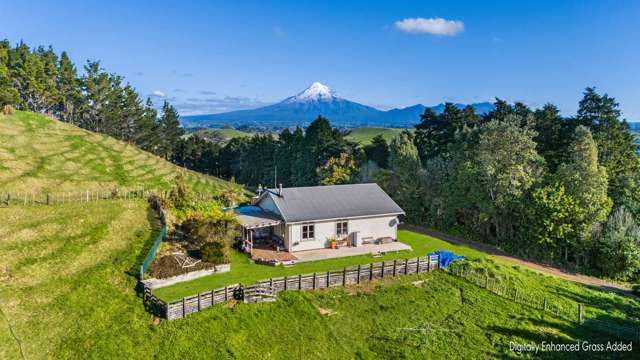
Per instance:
x=433, y=26
x=158, y=93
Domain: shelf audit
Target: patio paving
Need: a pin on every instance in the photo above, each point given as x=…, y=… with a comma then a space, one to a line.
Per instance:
x=322, y=254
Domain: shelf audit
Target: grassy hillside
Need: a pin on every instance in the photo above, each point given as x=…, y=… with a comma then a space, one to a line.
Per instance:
x=364, y=135
x=38, y=153
x=66, y=292
x=221, y=136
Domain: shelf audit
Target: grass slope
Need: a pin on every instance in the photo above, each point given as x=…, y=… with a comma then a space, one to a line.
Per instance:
x=364, y=136
x=41, y=154
x=66, y=291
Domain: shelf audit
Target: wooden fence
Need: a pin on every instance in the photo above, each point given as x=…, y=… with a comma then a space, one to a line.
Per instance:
x=347, y=276
x=30, y=198
x=570, y=311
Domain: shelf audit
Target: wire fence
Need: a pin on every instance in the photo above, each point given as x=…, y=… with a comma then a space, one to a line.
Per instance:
x=564, y=309
x=31, y=198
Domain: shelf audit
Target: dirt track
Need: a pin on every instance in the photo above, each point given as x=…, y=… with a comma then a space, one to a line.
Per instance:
x=497, y=253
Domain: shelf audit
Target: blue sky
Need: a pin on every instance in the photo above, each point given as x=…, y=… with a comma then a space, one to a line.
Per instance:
x=215, y=56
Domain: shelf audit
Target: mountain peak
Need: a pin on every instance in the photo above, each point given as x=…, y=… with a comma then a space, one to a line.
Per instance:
x=315, y=92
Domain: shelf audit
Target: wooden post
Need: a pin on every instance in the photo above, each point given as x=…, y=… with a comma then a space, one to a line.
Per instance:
x=579, y=313
x=382, y=272
x=328, y=277
x=184, y=306
x=418, y=264
x=370, y=271
x=344, y=276
x=271, y=282
x=299, y=281
x=358, y=277
x=428, y=263
x=394, y=267
x=198, y=301
x=285, y=283
x=226, y=294
x=406, y=266
x=314, y=280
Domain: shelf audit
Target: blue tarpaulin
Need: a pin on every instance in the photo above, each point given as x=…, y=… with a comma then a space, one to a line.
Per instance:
x=446, y=257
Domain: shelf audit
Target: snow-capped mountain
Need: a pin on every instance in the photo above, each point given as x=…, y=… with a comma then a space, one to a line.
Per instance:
x=318, y=99
x=316, y=92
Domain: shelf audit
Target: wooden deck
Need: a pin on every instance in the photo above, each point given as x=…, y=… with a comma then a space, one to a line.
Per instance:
x=268, y=253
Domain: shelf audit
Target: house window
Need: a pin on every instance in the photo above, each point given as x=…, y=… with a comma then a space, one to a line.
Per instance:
x=308, y=232
x=342, y=228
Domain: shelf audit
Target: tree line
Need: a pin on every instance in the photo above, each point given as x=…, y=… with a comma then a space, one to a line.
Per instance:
x=39, y=80
x=540, y=185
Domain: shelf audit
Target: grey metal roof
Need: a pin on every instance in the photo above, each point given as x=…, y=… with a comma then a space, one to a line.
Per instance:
x=333, y=202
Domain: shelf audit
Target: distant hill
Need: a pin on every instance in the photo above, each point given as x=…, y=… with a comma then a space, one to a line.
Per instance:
x=220, y=136
x=38, y=153
x=318, y=99
x=365, y=135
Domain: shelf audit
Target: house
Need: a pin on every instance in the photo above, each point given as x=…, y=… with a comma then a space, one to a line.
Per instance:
x=308, y=218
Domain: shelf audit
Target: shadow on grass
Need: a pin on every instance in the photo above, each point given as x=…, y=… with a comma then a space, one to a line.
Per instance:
x=154, y=223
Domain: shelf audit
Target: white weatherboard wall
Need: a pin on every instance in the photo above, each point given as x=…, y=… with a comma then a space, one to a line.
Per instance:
x=372, y=228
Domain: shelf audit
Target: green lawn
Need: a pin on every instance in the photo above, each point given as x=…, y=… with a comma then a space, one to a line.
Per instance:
x=67, y=289
x=39, y=154
x=243, y=271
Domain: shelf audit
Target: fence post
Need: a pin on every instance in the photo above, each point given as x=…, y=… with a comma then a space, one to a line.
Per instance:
x=271, y=282
x=226, y=294
x=382, y=272
x=406, y=266
x=394, y=267
x=358, y=277
x=328, y=275
x=370, y=271
x=344, y=276
x=418, y=265
x=199, y=302
x=579, y=313
x=285, y=283
x=428, y=263
x=314, y=280
x=299, y=281
x=438, y=264
x=184, y=307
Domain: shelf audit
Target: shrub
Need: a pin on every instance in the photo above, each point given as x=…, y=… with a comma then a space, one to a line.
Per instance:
x=215, y=252
x=8, y=110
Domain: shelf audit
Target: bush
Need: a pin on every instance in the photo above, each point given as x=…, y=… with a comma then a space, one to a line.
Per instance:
x=8, y=110
x=215, y=252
